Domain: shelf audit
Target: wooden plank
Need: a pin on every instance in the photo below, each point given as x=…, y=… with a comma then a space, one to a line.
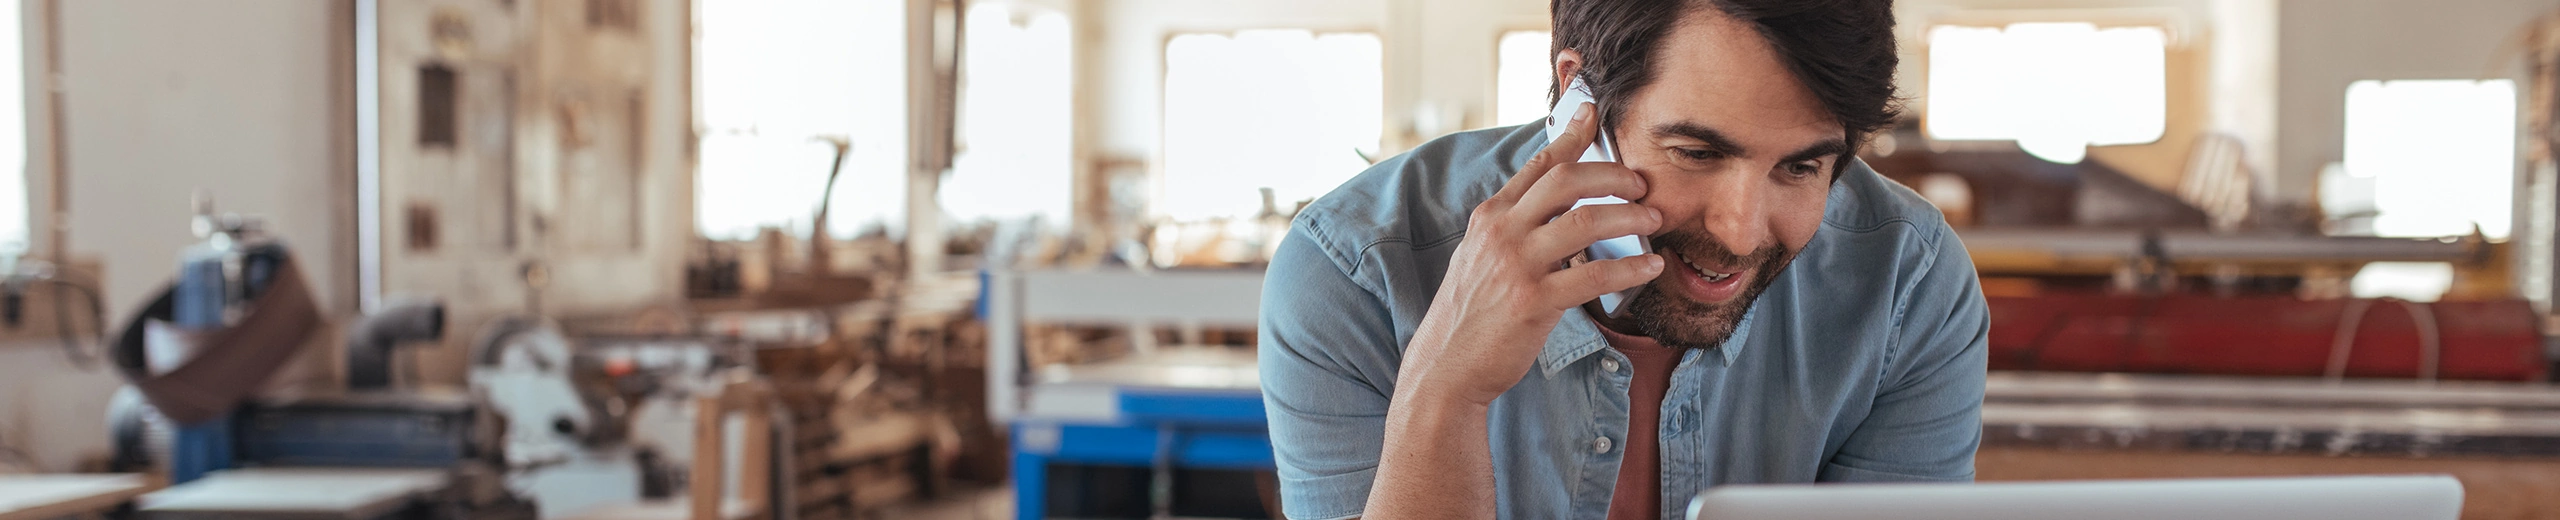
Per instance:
x=883, y=435
x=659, y=510
x=38, y=497
x=710, y=458
x=755, y=479
x=880, y=490
x=819, y=491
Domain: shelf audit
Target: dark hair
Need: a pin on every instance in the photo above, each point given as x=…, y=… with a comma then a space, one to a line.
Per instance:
x=1841, y=50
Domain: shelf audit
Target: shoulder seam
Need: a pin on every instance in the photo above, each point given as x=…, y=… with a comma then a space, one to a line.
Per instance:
x=1373, y=244
x=1349, y=265
x=1933, y=243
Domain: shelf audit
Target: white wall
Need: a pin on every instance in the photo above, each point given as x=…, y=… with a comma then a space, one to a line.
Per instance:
x=53, y=412
x=166, y=97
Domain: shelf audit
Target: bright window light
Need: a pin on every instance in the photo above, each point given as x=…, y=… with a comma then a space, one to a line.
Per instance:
x=780, y=76
x=2413, y=281
x=1015, y=119
x=2441, y=154
x=2055, y=88
x=13, y=139
x=1290, y=110
x=1521, y=77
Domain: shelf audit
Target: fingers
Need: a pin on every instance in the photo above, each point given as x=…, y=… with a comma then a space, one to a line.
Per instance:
x=1582, y=283
x=1569, y=183
x=1580, y=227
x=1566, y=147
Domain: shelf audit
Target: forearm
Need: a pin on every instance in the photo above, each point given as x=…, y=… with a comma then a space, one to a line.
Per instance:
x=1437, y=462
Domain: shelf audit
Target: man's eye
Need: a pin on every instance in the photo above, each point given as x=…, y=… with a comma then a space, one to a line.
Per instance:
x=1700, y=154
x=1804, y=169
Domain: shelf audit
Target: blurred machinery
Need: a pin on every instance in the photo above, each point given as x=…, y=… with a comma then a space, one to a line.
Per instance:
x=2089, y=269
x=200, y=356
x=524, y=369
x=2268, y=336
x=2194, y=330
x=2195, y=302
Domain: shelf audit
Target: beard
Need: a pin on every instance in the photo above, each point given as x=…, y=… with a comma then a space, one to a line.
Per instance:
x=1678, y=322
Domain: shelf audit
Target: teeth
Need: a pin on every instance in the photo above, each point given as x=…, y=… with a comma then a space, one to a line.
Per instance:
x=1710, y=275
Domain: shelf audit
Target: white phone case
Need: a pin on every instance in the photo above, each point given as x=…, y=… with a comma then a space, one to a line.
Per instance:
x=1602, y=149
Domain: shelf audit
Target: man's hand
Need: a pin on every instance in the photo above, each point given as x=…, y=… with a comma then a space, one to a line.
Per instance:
x=1507, y=285
x=1505, y=290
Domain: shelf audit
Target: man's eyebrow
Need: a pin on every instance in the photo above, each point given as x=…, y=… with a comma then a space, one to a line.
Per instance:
x=1717, y=142
x=1826, y=148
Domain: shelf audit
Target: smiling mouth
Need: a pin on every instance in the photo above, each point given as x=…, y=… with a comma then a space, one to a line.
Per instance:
x=1710, y=274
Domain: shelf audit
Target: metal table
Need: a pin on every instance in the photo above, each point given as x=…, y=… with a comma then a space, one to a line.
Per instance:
x=2270, y=415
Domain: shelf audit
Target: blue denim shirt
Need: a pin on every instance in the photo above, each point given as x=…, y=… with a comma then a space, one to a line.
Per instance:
x=1862, y=362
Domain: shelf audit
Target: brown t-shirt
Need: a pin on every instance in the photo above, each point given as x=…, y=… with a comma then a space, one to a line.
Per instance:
x=1639, y=491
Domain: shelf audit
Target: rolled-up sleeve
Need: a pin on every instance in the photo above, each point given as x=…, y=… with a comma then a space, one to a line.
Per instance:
x=1328, y=356
x=1926, y=422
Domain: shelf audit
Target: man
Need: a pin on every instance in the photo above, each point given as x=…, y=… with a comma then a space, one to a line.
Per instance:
x=1428, y=351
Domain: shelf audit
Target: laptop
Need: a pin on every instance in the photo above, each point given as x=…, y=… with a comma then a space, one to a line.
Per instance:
x=2394, y=497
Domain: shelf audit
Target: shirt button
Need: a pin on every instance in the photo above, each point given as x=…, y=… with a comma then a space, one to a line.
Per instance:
x=1600, y=444
x=1609, y=365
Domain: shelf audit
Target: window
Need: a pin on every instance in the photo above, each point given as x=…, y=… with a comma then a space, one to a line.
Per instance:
x=1291, y=110
x=2440, y=154
x=1016, y=119
x=1521, y=77
x=780, y=78
x=2055, y=88
x=13, y=138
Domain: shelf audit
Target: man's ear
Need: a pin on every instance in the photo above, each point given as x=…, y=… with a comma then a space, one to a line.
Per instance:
x=1568, y=64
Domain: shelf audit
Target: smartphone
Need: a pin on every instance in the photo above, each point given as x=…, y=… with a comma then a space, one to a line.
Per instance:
x=1602, y=150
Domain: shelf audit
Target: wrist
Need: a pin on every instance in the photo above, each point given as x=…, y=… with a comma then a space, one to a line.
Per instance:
x=1424, y=380
x=1433, y=414
x=1428, y=394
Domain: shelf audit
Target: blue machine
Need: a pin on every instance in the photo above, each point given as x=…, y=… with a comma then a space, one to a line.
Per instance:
x=1155, y=427
x=214, y=277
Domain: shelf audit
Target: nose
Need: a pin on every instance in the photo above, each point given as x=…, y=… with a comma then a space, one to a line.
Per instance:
x=1737, y=215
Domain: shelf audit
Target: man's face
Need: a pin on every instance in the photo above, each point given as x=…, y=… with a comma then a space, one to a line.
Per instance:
x=1738, y=157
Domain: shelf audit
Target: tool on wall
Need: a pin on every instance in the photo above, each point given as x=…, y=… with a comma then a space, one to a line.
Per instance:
x=24, y=275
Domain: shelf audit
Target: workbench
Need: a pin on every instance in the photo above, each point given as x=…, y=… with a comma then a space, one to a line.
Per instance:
x=48, y=497
x=2501, y=439
x=2383, y=418
x=297, y=493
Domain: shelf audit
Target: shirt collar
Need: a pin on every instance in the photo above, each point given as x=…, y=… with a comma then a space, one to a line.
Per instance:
x=1576, y=336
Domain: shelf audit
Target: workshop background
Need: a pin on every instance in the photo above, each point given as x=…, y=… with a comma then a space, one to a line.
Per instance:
x=1000, y=258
